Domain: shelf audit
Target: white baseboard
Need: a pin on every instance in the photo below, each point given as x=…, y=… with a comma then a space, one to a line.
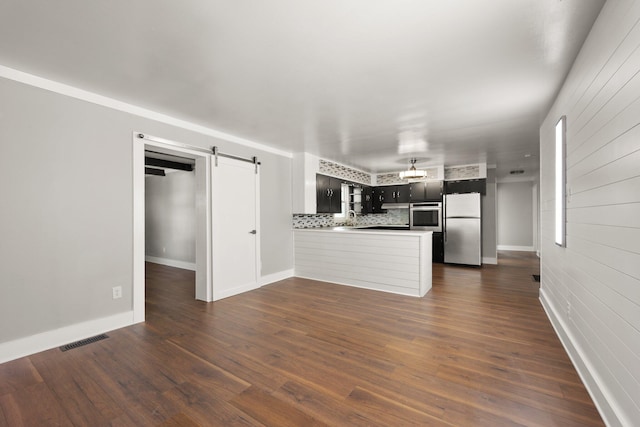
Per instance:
x=604, y=401
x=516, y=248
x=218, y=294
x=275, y=277
x=264, y=280
x=26, y=346
x=489, y=260
x=171, y=262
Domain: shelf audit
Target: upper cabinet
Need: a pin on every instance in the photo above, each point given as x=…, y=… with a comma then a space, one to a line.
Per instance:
x=389, y=194
x=378, y=196
x=426, y=191
x=467, y=186
x=328, y=194
x=367, y=200
x=435, y=190
x=400, y=194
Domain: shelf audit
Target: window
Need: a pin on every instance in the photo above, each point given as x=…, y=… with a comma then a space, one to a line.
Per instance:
x=560, y=211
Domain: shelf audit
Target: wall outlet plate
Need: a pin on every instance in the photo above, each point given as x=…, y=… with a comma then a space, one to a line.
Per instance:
x=117, y=292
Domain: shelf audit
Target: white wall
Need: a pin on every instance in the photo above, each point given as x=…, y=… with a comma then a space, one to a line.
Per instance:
x=67, y=211
x=170, y=214
x=591, y=288
x=515, y=216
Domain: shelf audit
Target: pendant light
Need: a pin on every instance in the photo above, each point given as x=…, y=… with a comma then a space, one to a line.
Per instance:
x=413, y=173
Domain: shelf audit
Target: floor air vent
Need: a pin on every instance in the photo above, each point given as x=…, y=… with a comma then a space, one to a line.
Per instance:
x=536, y=277
x=83, y=342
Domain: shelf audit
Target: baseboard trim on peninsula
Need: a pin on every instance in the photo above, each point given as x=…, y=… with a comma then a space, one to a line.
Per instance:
x=601, y=396
x=275, y=277
x=26, y=346
x=171, y=262
x=489, y=260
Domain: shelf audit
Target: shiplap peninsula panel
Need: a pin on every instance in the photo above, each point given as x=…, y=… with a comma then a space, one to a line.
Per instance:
x=380, y=260
x=591, y=288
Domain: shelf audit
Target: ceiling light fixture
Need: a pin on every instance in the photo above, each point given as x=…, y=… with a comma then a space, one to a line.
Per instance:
x=413, y=173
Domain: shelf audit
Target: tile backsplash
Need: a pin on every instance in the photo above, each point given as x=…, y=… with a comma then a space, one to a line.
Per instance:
x=391, y=217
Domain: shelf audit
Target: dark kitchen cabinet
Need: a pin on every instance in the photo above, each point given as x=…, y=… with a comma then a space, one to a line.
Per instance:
x=400, y=193
x=426, y=191
x=328, y=194
x=467, y=186
x=367, y=200
x=418, y=192
x=395, y=193
x=437, y=248
x=378, y=198
x=435, y=190
x=390, y=194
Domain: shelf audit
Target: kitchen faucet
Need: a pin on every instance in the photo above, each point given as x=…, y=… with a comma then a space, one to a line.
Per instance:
x=352, y=220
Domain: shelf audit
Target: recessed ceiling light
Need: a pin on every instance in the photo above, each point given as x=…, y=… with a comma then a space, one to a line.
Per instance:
x=527, y=155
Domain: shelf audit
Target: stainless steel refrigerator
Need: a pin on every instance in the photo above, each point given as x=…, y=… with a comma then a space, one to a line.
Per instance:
x=462, y=236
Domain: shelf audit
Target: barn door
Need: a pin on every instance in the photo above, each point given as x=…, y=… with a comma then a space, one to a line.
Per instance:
x=235, y=227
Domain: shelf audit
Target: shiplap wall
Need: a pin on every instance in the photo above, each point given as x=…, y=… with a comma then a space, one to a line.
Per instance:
x=591, y=288
x=385, y=261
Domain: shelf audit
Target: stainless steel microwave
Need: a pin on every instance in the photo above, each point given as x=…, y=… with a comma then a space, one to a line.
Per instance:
x=426, y=216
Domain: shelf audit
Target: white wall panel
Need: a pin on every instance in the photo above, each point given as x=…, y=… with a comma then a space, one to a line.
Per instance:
x=622, y=142
x=381, y=261
x=619, y=170
x=618, y=215
x=623, y=238
x=591, y=288
x=612, y=194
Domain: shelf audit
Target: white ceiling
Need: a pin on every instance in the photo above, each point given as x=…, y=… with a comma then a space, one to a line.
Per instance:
x=337, y=78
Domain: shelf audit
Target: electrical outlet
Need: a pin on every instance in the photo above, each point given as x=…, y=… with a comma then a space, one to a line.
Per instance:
x=117, y=292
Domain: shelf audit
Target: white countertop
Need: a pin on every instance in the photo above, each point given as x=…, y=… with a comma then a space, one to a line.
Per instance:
x=363, y=230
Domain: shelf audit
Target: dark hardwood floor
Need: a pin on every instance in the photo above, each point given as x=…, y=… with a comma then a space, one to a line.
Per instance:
x=477, y=350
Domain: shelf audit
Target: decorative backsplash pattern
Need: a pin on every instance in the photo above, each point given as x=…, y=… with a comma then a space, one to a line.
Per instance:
x=392, y=217
x=394, y=178
x=339, y=171
x=389, y=178
x=312, y=221
x=462, y=172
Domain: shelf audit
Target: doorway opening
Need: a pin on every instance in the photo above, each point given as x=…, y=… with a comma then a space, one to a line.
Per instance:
x=227, y=238
x=199, y=183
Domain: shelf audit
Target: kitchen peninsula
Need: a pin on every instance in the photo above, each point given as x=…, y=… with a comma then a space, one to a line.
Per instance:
x=385, y=260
